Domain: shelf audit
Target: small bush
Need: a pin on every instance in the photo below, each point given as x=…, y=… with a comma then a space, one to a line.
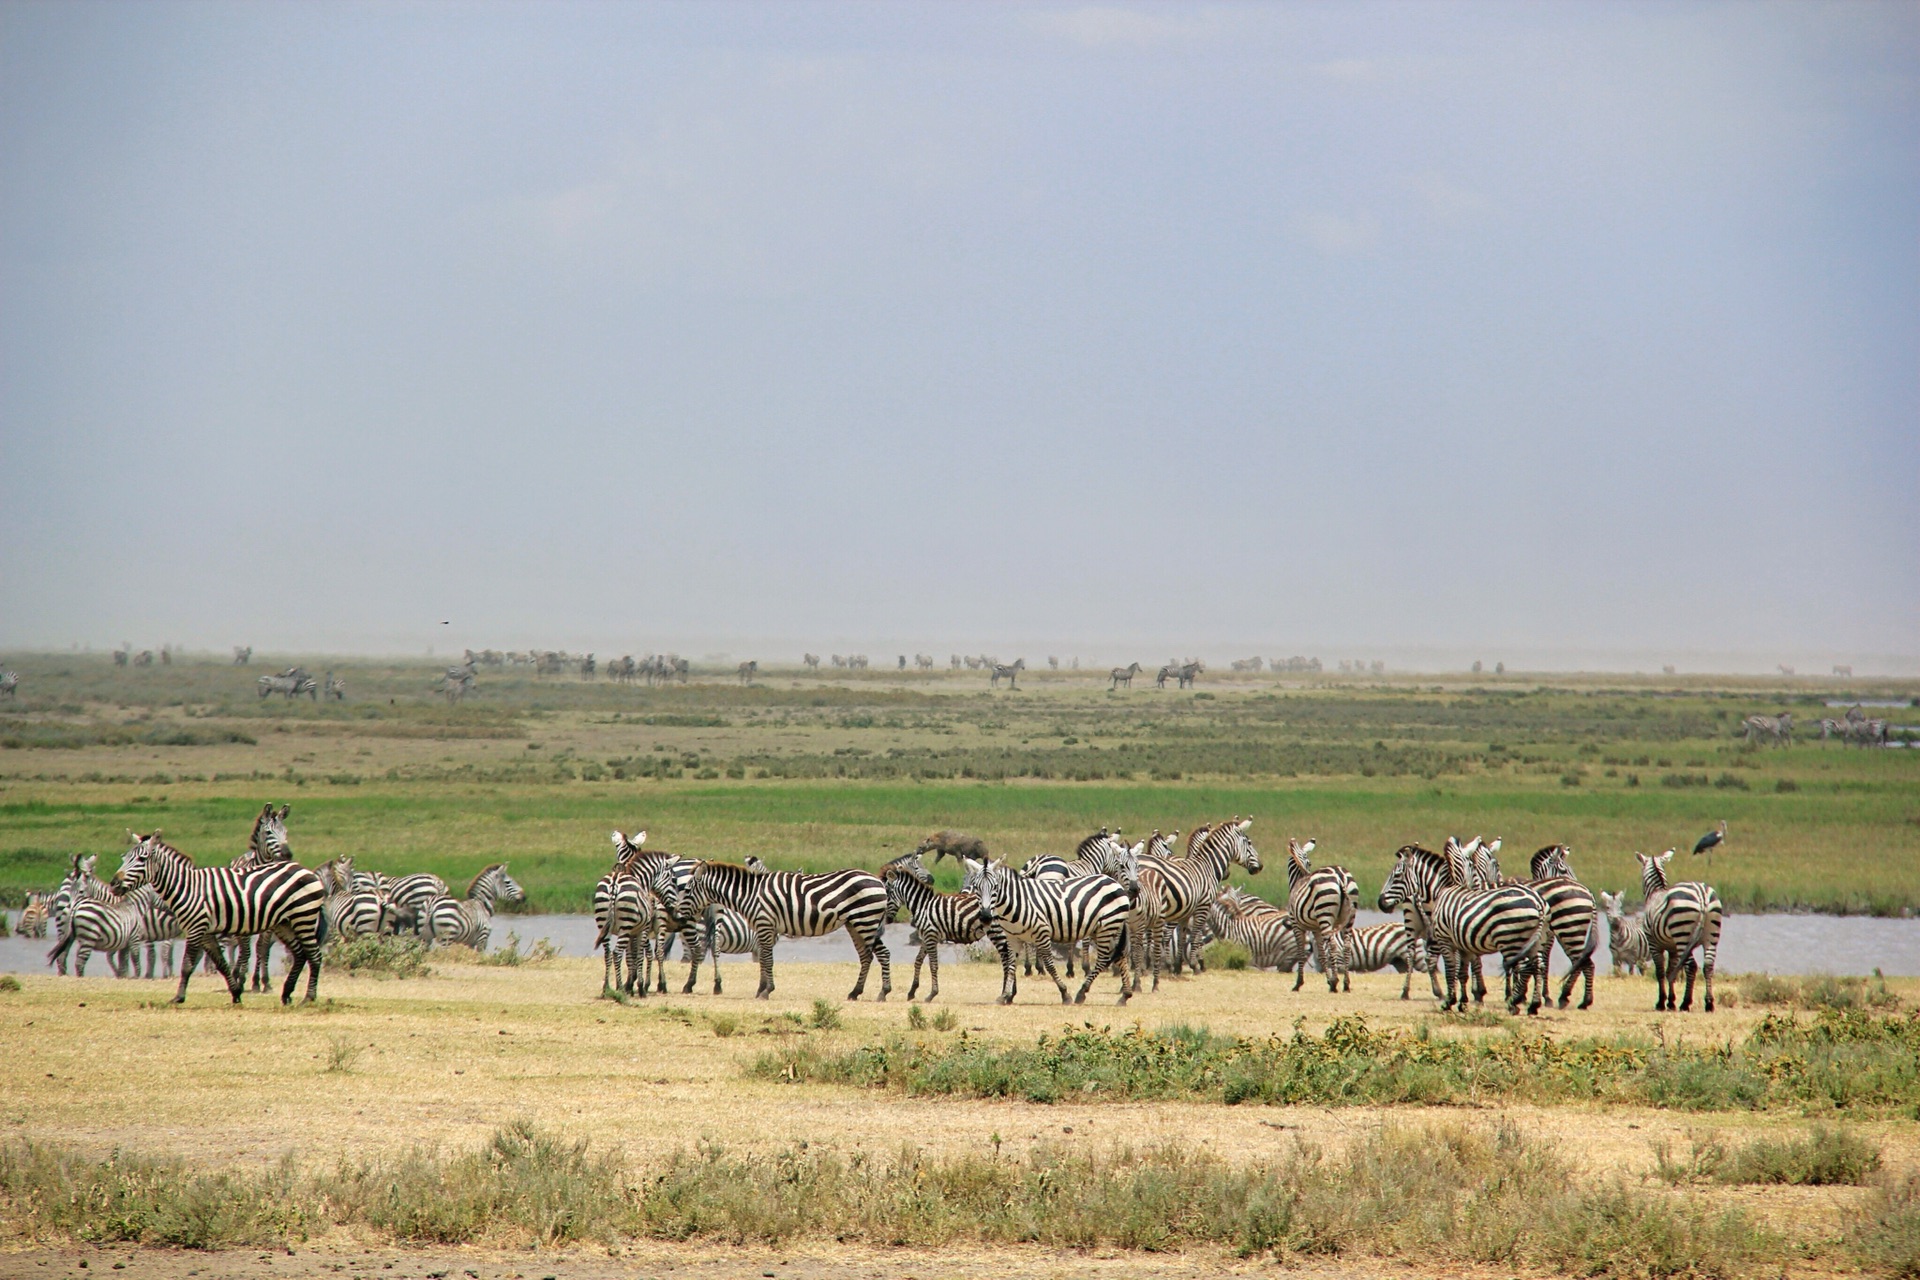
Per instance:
x=510, y=956
x=342, y=1053
x=1683, y=780
x=386, y=956
x=825, y=1017
x=1785, y=785
x=1224, y=953
x=6, y=926
x=1570, y=779
x=1730, y=782
x=724, y=1025
x=1886, y=1235
x=1818, y=991
x=945, y=1021
x=9, y=983
x=916, y=1018
x=1826, y=1157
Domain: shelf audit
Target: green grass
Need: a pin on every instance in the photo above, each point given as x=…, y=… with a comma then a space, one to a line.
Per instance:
x=1451, y=1192
x=1826, y=1156
x=852, y=771
x=1841, y=1060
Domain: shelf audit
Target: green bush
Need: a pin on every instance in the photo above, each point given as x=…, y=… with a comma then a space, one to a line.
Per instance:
x=1224, y=953
x=384, y=956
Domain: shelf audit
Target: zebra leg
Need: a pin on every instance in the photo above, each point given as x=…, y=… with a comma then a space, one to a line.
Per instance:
x=918, y=960
x=864, y=950
x=1707, y=957
x=931, y=951
x=237, y=967
x=609, y=979
x=1009, y=984
x=763, y=937
x=1479, y=982
x=1323, y=943
x=1659, y=959
x=262, y=968
x=1686, y=1005
x=1406, y=988
x=886, y=963
x=1043, y=948
x=695, y=949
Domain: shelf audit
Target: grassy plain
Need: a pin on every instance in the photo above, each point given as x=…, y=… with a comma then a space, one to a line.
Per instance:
x=849, y=770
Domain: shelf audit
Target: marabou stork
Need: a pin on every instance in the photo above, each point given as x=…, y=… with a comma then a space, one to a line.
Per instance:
x=1710, y=841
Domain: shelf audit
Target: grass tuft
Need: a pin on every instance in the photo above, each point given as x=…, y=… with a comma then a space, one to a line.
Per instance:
x=385, y=956
x=342, y=1053
x=1823, y=1157
x=1886, y=1235
x=1225, y=953
x=825, y=1017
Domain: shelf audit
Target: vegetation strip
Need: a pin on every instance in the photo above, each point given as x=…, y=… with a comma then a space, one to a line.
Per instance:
x=1447, y=1192
x=1841, y=1059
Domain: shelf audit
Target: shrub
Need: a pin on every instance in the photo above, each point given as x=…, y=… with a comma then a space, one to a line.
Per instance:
x=385, y=956
x=825, y=1016
x=9, y=983
x=1224, y=953
x=1886, y=1234
x=1730, y=781
x=342, y=1053
x=1785, y=785
x=509, y=955
x=916, y=1018
x=724, y=1025
x=945, y=1021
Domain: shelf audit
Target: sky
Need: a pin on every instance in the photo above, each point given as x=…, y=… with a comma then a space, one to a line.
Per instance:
x=1568, y=335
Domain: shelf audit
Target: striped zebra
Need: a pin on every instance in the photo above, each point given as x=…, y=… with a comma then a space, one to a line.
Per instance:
x=1321, y=902
x=1572, y=913
x=457, y=682
x=748, y=671
x=292, y=683
x=9, y=684
x=406, y=900
x=1382, y=946
x=33, y=917
x=1177, y=891
x=1680, y=918
x=353, y=911
x=80, y=893
x=1089, y=859
x=283, y=899
x=1008, y=671
x=1626, y=935
x=1778, y=729
x=468, y=921
x=118, y=925
x=952, y=918
x=1123, y=676
x=334, y=689
x=628, y=919
x=1266, y=931
x=266, y=845
x=1461, y=923
x=668, y=877
x=1047, y=912
x=242, y=655
x=798, y=905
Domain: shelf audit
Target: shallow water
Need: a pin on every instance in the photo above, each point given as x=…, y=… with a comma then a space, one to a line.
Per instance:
x=1748, y=944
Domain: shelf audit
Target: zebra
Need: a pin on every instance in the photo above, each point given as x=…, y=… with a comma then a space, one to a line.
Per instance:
x=628, y=916
x=937, y=917
x=1830, y=728
x=748, y=670
x=292, y=683
x=118, y=925
x=1626, y=935
x=1123, y=676
x=468, y=921
x=1775, y=728
x=1843, y=670
x=1679, y=918
x=1321, y=902
x=1166, y=673
x=266, y=845
x=923, y=661
x=798, y=905
x=144, y=658
x=9, y=684
x=1867, y=732
x=953, y=662
x=1461, y=923
x=586, y=667
x=334, y=689
x=1101, y=854
x=352, y=910
x=1189, y=672
x=284, y=899
x=667, y=877
x=407, y=896
x=457, y=682
x=33, y=917
x=1047, y=912
x=1380, y=946
x=120, y=657
x=1176, y=891
x=1008, y=671
x=1572, y=913
x=1266, y=931
x=242, y=655
x=811, y=661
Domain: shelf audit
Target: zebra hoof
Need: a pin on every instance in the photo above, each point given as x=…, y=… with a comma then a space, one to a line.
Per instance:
x=1709, y=1004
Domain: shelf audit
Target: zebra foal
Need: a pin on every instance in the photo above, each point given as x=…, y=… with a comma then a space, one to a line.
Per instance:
x=952, y=918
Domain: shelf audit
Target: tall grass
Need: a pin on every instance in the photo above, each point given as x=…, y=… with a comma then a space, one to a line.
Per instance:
x=1841, y=1059
x=1824, y=1156
x=1455, y=1193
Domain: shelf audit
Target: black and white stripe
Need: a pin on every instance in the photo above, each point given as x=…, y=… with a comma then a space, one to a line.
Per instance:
x=468, y=921
x=1321, y=902
x=1461, y=923
x=950, y=918
x=1680, y=919
x=1392, y=945
x=406, y=900
x=1266, y=931
x=283, y=899
x=1626, y=935
x=1045, y=913
x=798, y=905
x=1176, y=892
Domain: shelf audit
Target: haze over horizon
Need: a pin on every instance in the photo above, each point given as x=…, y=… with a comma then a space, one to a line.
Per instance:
x=1428, y=333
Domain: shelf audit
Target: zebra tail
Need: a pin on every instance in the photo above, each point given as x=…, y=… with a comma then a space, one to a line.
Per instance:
x=59, y=953
x=320, y=931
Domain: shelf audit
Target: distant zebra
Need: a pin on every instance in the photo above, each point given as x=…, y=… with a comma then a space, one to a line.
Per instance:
x=242, y=655
x=1777, y=729
x=1626, y=936
x=457, y=682
x=798, y=905
x=406, y=900
x=953, y=661
x=1321, y=902
x=1123, y=676
x=334, y=689
x=292, y=683
x=1045, y=913
x=924, y=661
x=1384, y=946
x=1166, y=673
x=1053, y=663
x=120, y=657
x=1830, y=728
x=284, y=899
x=9, y=684
x=1190, y=671
x=1266, y=931
x=1867, y=733
x=811, y=661
x=1843, y=670
x=468, y=921
x=119, y=925
x=144, y=658
x=33, y=917
x=952, y=918
x=1679, y=919
x=1008, y=671
x=748, y=670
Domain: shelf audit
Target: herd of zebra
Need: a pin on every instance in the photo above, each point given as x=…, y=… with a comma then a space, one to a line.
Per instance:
x=1857, y=729
x=295, y=681
x=1152, y=905
x=222, y=913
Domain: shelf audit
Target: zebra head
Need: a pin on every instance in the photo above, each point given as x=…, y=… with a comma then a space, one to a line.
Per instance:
x=1460, y=861
x=1551, y=861
x=624, y=845
x=510, y=888
x=136, y=865
x=991, y=882
x=268, y=843
x=1239, y=846
x=1486, y=864
x=1653, y=871
x=1298, y=864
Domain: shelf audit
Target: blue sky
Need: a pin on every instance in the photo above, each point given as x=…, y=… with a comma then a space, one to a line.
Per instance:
x=1467, y=330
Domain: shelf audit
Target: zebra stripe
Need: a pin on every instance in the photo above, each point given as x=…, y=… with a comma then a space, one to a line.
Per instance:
x=1626, y=936
x=1049, y=912
x=952, y=918
x=407, y=896
x=468, y=921
x=1679, y=919
x=1572, y=913
x=1265, y=930
x=1321, y=902
x=1381, y=946
x=284, y=899
x=1176, y=891
x=797, y=905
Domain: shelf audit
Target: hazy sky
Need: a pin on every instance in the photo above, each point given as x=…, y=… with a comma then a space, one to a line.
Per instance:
x=1293, y=328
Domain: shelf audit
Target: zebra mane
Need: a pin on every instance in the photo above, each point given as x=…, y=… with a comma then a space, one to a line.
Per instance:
x=1198, y=836
x=1088, y=845
x=1541, y=857
x=485, y=871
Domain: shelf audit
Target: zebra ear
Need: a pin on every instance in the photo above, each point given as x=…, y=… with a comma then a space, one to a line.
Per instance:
x=618, y=839
x=640, y=837
x=1245, y=823
x=284, y=810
